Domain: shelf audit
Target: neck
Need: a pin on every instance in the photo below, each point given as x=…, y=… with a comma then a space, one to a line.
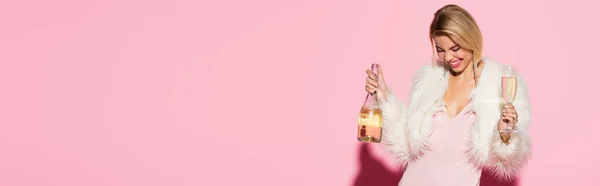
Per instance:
x=465, y=75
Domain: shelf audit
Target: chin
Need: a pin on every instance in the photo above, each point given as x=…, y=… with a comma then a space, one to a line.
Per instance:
x=459, y=69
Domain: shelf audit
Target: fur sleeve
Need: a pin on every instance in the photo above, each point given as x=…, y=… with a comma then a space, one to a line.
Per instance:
x=395, y=137
x=506, y=160
x=394, y=129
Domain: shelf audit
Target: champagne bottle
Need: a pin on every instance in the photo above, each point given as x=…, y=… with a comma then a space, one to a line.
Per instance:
x=370, y=119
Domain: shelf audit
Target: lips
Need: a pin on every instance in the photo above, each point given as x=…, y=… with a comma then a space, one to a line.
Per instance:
x=456, y=63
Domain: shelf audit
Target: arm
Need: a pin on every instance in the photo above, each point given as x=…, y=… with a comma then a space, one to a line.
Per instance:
x=506, y=159
x=395, y=137
x=394, y=128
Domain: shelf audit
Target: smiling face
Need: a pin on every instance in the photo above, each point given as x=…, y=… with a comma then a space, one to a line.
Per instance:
x=453, y=55
x=457, y=38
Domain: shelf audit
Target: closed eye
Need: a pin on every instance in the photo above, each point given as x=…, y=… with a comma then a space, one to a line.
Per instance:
x=456, y=48
x=439, y=49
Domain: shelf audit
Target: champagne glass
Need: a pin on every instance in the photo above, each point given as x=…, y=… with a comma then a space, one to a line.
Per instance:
x=509, y=89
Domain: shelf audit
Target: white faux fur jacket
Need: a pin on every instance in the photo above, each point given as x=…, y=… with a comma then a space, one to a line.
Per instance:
x=405, y=128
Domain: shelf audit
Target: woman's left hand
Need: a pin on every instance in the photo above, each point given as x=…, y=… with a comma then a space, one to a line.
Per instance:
x=508, y=120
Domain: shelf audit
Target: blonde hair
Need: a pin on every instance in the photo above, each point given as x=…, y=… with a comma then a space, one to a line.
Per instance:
x=456, y=23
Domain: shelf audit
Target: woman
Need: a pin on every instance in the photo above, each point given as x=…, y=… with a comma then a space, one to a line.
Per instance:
x=453, y=126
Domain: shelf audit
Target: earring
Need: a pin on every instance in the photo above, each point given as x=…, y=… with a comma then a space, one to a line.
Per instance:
x=475, y=71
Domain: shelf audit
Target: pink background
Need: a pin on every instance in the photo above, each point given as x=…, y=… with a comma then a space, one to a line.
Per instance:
x=264, y=92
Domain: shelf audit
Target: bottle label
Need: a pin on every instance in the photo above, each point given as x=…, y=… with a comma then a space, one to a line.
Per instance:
x=370, y=117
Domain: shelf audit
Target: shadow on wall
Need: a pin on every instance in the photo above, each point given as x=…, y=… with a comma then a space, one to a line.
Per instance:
x=373, y=172
x=487, y=179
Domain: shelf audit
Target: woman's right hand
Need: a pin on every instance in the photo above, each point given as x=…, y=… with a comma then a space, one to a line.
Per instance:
x=376, y=83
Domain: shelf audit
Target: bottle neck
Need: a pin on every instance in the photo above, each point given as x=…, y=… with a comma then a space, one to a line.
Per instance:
x=371, y=101
x=375, y=68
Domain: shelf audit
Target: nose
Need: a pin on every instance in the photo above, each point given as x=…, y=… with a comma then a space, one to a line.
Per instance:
x=448, y=56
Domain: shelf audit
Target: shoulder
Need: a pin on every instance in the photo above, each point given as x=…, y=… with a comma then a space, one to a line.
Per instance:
x=429, y=72
x=494, y=69
x=428, y=77
x=490, y=81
